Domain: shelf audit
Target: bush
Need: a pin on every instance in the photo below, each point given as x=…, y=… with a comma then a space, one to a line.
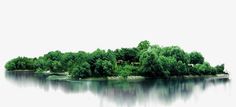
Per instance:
x=126, y=70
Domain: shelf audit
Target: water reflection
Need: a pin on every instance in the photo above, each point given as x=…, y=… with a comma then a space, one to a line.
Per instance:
x=121, y=91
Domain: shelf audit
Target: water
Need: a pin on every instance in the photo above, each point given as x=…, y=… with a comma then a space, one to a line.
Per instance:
x=152, y=92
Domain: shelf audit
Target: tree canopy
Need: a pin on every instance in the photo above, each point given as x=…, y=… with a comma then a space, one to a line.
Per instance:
x=143, y=60
x=196, y=58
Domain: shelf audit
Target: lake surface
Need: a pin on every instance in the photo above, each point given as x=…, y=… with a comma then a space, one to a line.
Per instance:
x=23, y=87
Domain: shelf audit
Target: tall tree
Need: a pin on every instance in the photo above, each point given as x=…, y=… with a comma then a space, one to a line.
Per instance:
x=196, y=58
x=176, y=52
x=144, y=45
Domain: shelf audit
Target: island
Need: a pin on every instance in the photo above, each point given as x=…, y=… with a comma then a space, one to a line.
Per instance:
x=143, y=61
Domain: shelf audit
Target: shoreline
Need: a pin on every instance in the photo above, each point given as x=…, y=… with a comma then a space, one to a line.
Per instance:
x=171, y=77
x=66, y=77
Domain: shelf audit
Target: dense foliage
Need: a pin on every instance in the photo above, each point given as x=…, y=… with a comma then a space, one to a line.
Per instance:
x=21, y=63
x=143, y=60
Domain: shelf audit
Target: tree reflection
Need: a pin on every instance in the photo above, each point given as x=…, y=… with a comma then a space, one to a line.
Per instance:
x=121, y=91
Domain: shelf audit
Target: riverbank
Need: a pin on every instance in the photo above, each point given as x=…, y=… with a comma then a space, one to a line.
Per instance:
x=171, y=77
x=66, y=76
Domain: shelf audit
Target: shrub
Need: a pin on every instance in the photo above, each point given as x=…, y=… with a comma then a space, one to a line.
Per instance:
x=125, y=71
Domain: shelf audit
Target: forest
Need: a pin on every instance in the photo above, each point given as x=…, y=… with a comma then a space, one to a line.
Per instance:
x=144, y=60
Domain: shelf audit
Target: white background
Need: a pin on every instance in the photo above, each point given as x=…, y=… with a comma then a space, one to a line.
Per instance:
x=34, y=27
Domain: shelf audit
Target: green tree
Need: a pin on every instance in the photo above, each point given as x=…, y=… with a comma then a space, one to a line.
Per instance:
x=56, y=66
x=204, y=69
x=54, y=55
x=144, y=45
x=104, y=68
x=54, y=61
x=69, y=59
x=220, y=68
x=127, y=54
x=20, y=63
x=176, y=52
x=41, y=65
x=196, y=58
x=153, y=65
x=181, y=68
x=81, y=71
x=125, y=71
x=10, y=65
x=101, y=55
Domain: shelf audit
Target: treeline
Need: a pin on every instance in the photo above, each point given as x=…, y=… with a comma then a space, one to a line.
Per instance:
x=143, y=60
